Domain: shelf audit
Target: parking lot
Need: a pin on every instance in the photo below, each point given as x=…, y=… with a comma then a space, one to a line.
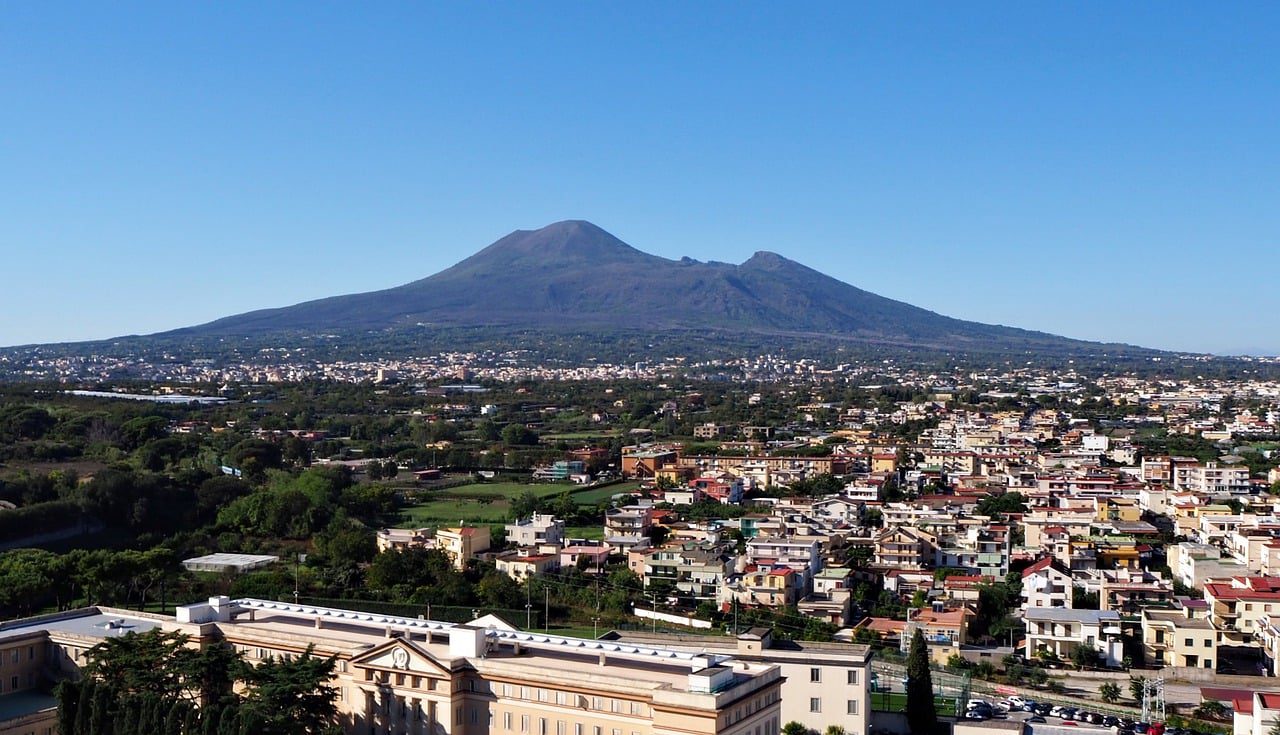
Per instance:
x=1053, y=720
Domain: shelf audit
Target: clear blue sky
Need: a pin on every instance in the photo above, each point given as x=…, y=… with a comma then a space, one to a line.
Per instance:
x=1105, y=171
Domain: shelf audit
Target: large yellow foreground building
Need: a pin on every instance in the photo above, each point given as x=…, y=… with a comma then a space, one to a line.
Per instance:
x=418, y=677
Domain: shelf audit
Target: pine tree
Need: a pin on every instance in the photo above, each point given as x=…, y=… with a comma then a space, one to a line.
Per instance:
x=191, y=721
x=84, y=707
x=126, y=720
x=209, y=717
x=227, y=723
x=922, y=714
x=173, y=720
x=68, y=702
x=250, y=722
x=100, y=721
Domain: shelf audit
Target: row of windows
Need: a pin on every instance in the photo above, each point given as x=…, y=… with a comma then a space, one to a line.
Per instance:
x=850, y=706
x=16, y=655
x=568, y=699
x=752, y=706
x=815, y=675
x=528, y=726
x=15, y=682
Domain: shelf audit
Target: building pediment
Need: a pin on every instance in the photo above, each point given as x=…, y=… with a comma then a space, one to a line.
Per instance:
x=401, y=655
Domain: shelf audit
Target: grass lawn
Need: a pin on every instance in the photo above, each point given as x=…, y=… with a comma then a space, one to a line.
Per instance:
x=587, y=532
x=580, y=435
x=453, y=510
x=897, y=702
x=508, y=490
x=595, y=495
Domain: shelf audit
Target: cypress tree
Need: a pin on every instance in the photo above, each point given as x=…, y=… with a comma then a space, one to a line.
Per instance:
x=209, y=717
x=100, y=721
x=126, y=720
x=250, y=722
x=68, y=701
x=191, y=721
x=146, y=715
x=228, y=723
x=922, y=714
x=173, y=720
x=84, y=707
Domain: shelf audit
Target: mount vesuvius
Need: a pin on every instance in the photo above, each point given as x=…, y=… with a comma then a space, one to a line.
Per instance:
x=573, y=275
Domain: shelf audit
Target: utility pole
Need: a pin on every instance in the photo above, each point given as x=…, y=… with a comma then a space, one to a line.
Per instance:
x=546, y=615
x=655, y=612
x=595, y=627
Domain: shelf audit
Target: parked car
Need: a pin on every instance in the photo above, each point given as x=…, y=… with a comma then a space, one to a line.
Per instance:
x=1035, y=718
x=1016, y=702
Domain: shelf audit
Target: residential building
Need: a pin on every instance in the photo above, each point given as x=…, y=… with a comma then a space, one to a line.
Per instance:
x=627, y=526
x=463, y=544
x=1177, y=638
x=1060, y=631
x=1047, y=584
x=1242, y=607
x=540, y=528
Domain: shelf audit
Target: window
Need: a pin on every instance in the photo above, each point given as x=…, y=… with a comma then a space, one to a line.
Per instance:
x=815, y=704
x=853, y=676
x=815, y=675
x=1208, y=642
x=577, y=728
x=851, y=707
x=560, y=727
x=506, y=720
x=524, y=723
x=13, y=684
x=1189, y=643
x=542, y=726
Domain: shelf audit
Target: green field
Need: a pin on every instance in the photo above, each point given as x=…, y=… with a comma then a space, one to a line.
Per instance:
x=588, y=532
x=897, y=702
x=580, y=436
x=508, y=490
x=490, y=502
x=438, y=512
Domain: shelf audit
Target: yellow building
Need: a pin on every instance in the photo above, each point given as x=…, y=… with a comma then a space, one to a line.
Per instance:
x=408, y=676
x=1175, y=638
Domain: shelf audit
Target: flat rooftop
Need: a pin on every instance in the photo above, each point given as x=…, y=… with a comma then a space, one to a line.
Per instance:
x=24, y=703
x=88, y=623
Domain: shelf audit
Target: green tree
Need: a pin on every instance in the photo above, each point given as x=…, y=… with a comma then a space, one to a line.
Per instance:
x=1110, y=692
x=293, y=697
x=1136, y=687
x=100, y=719
x=794, y=728
x=138, y=663
x=68, y=694
x=922, y=714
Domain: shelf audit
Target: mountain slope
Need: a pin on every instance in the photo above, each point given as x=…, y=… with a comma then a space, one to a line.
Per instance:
x=574, y=275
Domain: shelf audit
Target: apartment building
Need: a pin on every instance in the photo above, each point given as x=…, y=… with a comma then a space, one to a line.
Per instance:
x=904, y=548
x=461, y=544
x=628, y=526
x=824, y=683
x=802, y=554
x=1240, y=608
x=540, y=528
x=1212, y=479
x=1178, y=638
x=1060, y=631
x=695, y=569
x=1046, y=584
